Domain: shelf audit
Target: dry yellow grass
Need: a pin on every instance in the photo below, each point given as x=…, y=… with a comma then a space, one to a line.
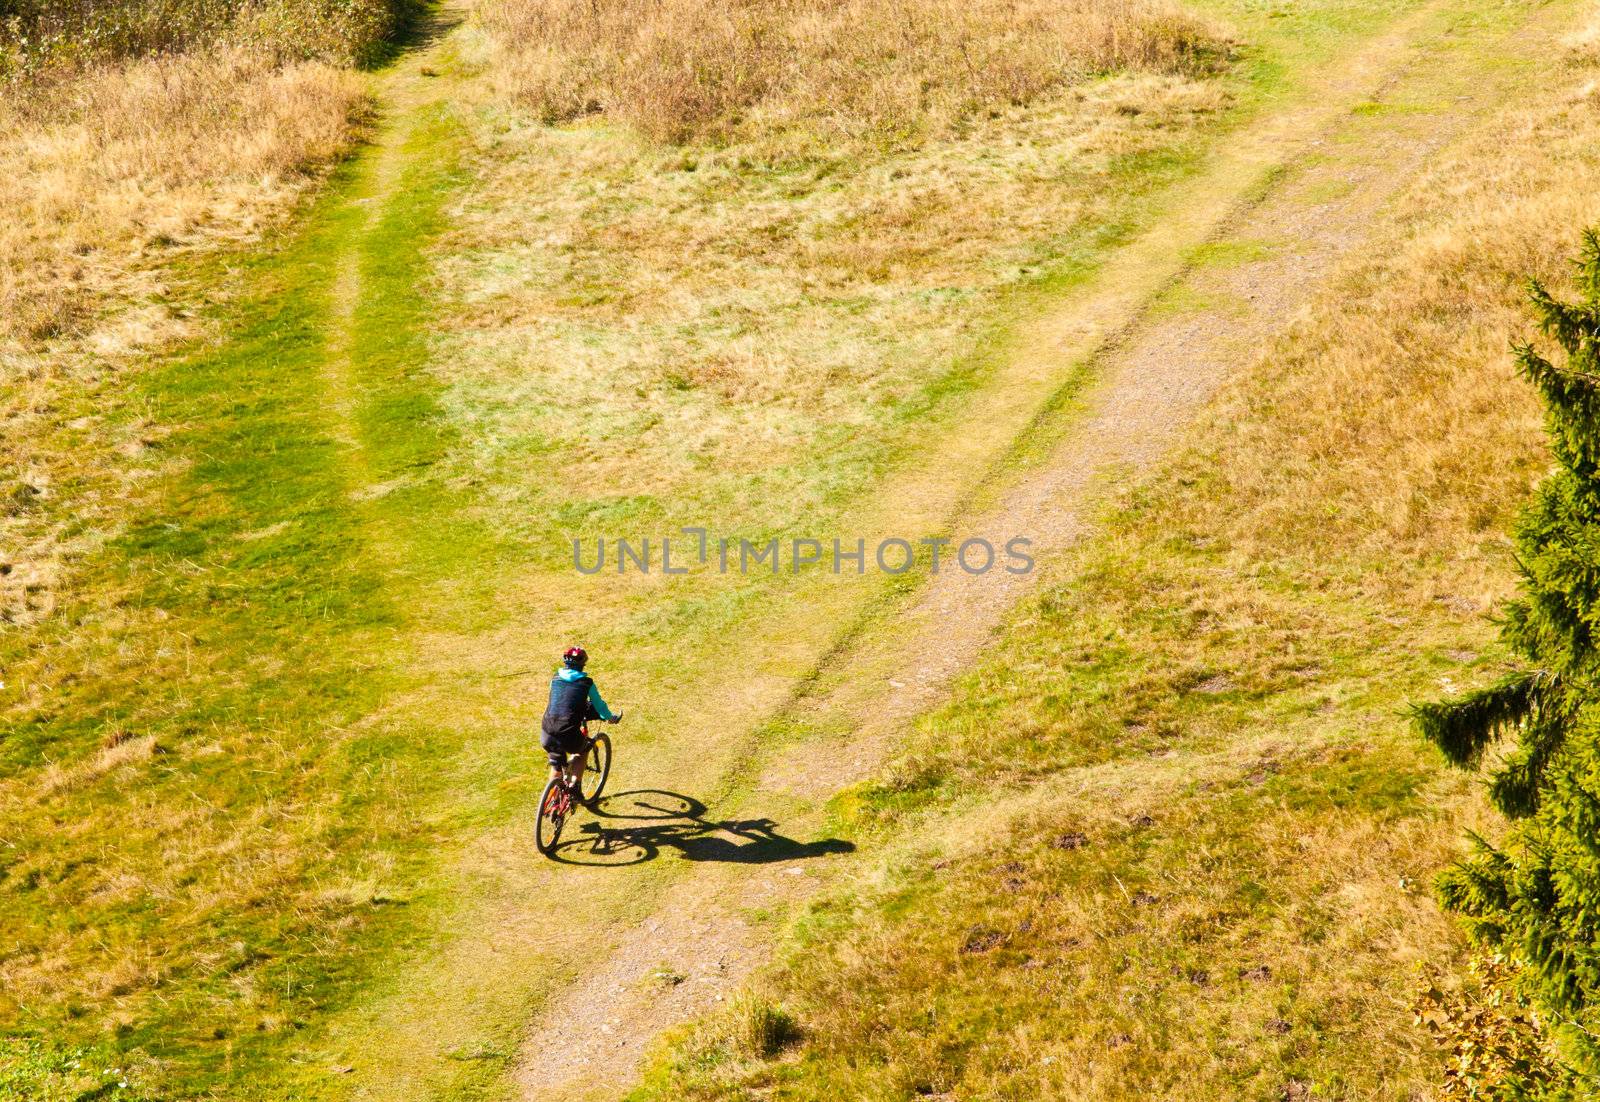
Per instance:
x=886, y=69
x=1234, y=927
x=56, y=39
x=108, y=177
x=115, y=754
x=785, y=292
x=802, y=273
x=1399, y=414
x=1583, y=45
x=103, y=171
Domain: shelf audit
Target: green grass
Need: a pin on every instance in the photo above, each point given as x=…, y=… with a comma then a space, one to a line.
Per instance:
x=1171, y=941
x=41, y=1072
x=1228, y=253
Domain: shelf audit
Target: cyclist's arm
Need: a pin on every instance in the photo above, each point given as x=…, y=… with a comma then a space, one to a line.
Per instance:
x=600, y=710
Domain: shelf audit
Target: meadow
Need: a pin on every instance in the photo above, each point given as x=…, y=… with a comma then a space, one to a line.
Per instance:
x=1178, y=836
x=316, y=353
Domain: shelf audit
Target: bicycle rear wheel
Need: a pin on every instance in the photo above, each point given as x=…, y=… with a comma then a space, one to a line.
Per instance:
x=596, y=768
x=554, y=806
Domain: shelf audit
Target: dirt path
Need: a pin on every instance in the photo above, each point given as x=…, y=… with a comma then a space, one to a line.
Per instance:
x=1160, y=342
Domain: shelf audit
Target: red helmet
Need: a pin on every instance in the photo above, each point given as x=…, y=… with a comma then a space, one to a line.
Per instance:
x=574, y=657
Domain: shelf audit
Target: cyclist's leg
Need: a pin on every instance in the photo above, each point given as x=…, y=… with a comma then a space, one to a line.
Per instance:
x=575, y=767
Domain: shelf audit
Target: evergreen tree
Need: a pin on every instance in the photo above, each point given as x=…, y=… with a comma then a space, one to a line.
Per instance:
x=1537, y=896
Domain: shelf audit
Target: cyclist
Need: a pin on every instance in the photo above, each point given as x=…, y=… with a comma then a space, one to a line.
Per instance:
x=573, y=701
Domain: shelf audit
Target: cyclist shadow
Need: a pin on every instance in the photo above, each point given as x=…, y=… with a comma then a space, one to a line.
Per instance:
x=632, y=827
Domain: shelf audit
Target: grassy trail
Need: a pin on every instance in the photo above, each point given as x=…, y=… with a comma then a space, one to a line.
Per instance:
x=256, y=611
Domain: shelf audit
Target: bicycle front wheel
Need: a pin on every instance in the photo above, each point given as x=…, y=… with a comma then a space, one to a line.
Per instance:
x=596, y=768
x=554, y=804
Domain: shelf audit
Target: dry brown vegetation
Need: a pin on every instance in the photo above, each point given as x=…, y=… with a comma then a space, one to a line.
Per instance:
x=117, y=164
x=685, y=70
x=52, y=39
x=1400, y=415
x=781, y=297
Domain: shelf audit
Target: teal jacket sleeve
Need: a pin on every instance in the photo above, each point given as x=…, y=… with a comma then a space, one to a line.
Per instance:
x=599, y=705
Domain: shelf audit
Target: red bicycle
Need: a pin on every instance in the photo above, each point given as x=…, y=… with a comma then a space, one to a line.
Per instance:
x=561, y=798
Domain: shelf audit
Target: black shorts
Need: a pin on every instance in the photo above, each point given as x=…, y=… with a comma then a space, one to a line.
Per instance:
x=561, y=743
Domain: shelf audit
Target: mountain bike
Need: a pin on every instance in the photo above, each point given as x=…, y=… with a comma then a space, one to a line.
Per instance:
x=560, y=798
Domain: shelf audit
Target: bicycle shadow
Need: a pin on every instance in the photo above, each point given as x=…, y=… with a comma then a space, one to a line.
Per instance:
x=630, y=828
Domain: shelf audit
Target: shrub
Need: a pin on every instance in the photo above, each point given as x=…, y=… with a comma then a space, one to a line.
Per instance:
x=51, y=37
x=1499, y=1047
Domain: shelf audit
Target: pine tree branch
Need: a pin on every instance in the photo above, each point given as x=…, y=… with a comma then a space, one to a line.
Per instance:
x=1562, y=385
x=1478, y=889
x=1464, y=726
x=1588, y=265
x=1517, y=787
x=1572, y=408
x=1538, y=898
x=1572, y=325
